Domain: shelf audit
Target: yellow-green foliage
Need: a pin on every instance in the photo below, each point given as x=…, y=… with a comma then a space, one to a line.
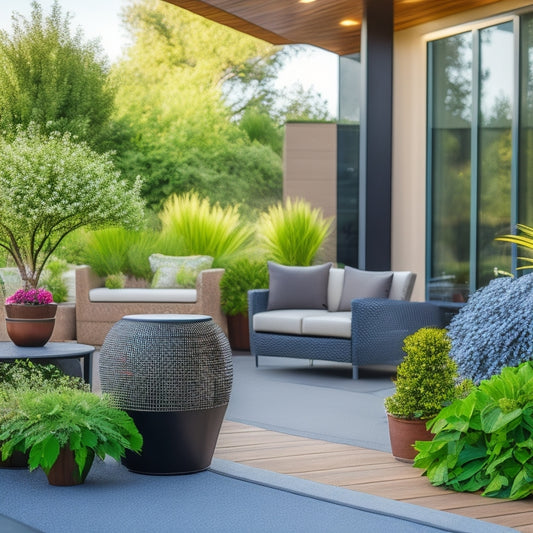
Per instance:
x=427, y=376
x=293, y=233
x=198, y=228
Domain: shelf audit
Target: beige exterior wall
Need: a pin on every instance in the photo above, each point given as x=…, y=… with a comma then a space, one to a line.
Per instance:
x=409, y=132
x=310, y=171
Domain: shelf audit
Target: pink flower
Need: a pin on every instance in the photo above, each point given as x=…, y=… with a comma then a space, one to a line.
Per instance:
x=30, y=297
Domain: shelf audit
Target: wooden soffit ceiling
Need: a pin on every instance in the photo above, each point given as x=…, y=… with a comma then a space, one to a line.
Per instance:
x=317, y=22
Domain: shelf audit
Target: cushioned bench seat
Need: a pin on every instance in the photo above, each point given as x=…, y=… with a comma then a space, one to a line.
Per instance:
x=102, y=294
x=98, y=308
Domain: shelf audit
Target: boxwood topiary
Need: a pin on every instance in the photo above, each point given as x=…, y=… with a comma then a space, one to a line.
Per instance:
x=427, y=377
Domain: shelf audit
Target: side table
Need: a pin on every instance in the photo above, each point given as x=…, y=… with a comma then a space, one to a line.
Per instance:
x=172, y=374
x=51, y=350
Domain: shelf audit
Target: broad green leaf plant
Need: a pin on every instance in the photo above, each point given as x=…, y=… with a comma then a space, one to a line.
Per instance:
x=51, y=186
x=485, y=441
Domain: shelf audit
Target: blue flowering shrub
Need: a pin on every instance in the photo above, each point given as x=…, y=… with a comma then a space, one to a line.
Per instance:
x=494, y=329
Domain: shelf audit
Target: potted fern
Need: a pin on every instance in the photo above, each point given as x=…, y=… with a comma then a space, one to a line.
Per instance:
x=23, y=374
x=63, y=429
x=427, y=380
x=238, y=278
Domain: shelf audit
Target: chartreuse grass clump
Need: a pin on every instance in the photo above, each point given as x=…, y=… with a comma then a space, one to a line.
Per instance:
x=484, y=442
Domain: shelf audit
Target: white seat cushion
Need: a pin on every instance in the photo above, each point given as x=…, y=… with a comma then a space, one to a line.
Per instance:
x=102, y=294
x=287, y=321
x=337, y=324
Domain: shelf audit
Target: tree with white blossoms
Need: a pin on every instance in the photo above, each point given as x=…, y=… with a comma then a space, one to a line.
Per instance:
x=51, y=185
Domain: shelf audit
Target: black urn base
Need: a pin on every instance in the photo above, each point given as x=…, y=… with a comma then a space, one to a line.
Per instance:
x=177, y=442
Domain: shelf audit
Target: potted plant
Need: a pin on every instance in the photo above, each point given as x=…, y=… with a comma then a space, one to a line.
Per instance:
x=63, y=429
x=427, y=380
x=23, y=374
x=238, y=278
x=30, y=316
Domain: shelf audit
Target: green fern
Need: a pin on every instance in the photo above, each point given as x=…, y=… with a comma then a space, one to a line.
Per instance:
x=50, y=420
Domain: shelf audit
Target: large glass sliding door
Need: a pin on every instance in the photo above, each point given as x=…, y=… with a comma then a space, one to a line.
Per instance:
x=474, y=193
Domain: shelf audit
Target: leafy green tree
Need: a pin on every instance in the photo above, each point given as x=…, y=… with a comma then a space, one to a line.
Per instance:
x=52, y=186
x=51, y=76
x=196, y=109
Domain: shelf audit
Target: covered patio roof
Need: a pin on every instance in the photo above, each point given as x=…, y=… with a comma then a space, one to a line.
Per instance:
x=318, y=22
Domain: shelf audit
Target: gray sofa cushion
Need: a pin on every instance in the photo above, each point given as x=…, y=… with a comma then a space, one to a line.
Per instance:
x=363, y=284
x=286, y=321
x=293, y=287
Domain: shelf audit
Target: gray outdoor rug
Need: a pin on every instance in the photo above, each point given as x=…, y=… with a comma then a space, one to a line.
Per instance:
x=227, y=498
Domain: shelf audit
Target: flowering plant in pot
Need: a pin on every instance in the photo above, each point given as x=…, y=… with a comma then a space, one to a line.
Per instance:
x=30, y=316
x=427, y=380
x=63, y=429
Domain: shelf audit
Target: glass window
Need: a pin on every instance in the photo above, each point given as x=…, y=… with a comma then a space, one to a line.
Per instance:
x=525, y=184
x=450, y=105
x=494, y=149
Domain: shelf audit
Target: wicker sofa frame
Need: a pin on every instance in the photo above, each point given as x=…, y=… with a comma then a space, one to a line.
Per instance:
x=378, y=328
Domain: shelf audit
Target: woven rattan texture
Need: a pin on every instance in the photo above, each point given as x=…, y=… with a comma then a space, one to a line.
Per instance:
x=166, y=366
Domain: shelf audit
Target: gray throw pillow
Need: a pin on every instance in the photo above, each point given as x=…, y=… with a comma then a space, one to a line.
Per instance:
x=295, y=287
x=363, y=284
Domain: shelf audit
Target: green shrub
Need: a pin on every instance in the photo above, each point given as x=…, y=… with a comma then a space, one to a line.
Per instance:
x=293, y=233
x=240, y=277
x=195, y=227
x=485, y=441
x=426, y=378
x=54, y=281
x=115, y=281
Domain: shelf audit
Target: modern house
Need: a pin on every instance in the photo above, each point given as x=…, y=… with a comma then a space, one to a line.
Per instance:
x=433, y=153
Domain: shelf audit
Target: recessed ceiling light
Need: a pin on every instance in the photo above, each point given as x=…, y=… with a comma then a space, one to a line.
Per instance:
x=349, y=22
x=306, y=1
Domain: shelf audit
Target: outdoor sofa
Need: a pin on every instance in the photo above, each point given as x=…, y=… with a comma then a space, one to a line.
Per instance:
x=98, y=308
x=362, y=331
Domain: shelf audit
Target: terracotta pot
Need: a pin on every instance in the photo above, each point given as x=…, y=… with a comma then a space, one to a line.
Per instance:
x=65, y=472
x=239, y=332
x=30, y=325
x=403, y=435
x=31, y=311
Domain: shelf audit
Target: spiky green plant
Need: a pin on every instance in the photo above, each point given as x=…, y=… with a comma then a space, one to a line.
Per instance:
x=198, y=228
x=525, y=240
x=292, y=234
x=115, y=250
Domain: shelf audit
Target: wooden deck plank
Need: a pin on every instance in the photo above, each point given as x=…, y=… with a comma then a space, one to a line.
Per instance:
x=363, y=470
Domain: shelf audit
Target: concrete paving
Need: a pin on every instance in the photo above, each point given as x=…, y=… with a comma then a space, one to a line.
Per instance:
x=319, y=401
